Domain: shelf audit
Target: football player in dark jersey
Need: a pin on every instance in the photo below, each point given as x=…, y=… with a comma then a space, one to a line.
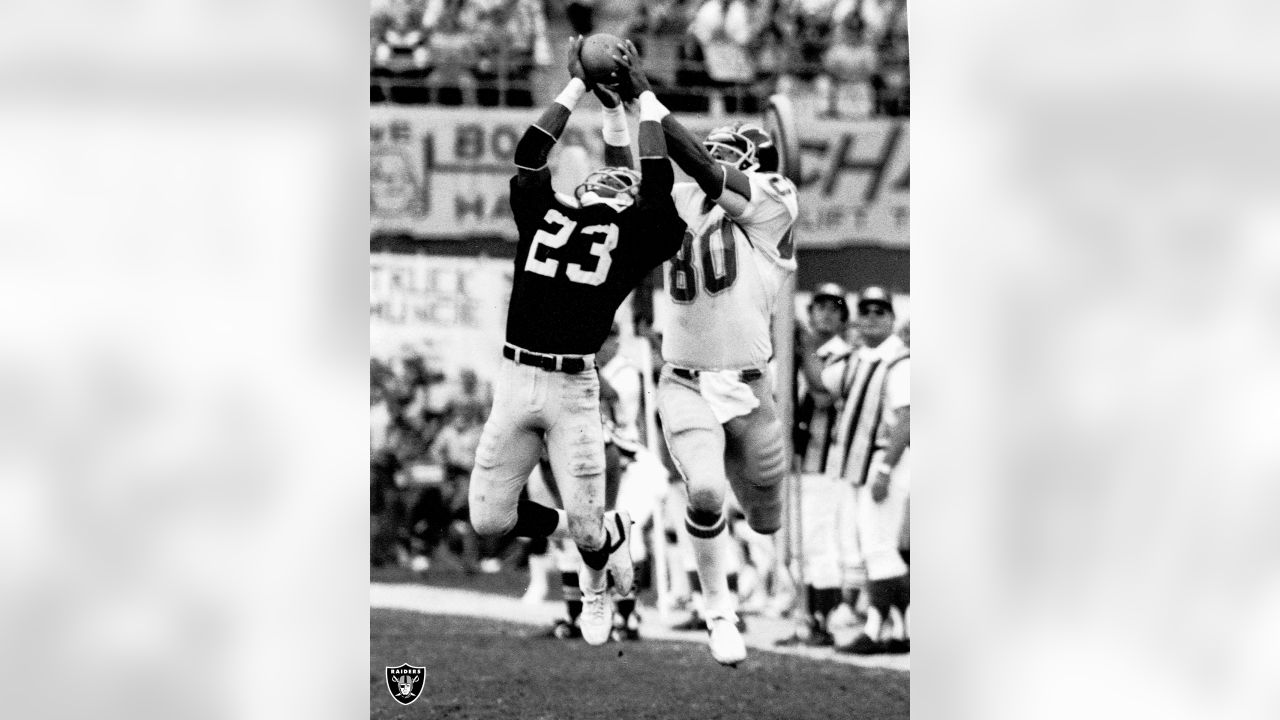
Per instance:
x=576, y=261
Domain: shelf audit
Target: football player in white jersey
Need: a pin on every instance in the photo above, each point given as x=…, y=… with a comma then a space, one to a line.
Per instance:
x=715, y=392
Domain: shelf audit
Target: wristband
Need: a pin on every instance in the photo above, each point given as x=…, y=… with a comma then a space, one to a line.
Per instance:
x=572, y=93
x=615, y=127
x=651, y=108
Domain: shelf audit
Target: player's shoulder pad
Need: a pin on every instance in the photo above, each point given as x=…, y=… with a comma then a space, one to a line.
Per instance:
x=682, y=191
x=774, y=183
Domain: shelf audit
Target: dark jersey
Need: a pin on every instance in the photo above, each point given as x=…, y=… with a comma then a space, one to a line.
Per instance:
x=576, y=265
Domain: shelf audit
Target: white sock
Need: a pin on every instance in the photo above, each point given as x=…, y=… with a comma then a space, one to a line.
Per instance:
x=711, y=555
x=898, y=630
x=592, y=581
x=874, y=624
x=539, y=566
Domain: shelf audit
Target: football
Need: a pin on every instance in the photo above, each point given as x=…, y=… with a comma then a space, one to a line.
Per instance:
x=597, y=58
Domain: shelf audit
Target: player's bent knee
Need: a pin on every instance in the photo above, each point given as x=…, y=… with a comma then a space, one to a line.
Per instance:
x=706, y=498
x=766, y=520
x=490, y=522
x=586, y=531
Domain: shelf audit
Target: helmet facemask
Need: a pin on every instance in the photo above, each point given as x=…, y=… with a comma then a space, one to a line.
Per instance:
x=616, y=187
x=730, y=146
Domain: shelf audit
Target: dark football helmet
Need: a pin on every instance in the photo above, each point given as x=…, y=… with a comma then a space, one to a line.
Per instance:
x=616, y=187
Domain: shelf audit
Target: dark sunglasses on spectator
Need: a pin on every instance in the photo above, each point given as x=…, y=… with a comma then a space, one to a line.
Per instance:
x=877, y=310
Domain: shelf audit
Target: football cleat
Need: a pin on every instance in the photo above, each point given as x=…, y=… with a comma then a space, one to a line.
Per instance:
x=626, y=630
x=897, y=646
x=814, y=638
x=597, y=618
x=864, y=645
x=619, y=564
x=695, y=622
x=564, y=630
x=725, y=640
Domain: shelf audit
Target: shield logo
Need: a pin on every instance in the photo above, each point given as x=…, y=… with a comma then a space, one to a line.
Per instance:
x=405, y=682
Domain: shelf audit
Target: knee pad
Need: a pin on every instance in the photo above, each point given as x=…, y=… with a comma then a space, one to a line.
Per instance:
x=771, y=464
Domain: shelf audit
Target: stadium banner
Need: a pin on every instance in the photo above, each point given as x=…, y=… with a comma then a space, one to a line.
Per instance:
x=443, y=173
x=452, y=310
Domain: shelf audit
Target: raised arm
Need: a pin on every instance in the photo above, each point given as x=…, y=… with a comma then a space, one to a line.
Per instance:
x=726, y=185
x=536, y=143
x=656, y=175
x=617, y=138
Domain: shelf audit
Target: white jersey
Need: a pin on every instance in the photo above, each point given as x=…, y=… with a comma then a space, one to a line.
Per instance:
x=724, y=281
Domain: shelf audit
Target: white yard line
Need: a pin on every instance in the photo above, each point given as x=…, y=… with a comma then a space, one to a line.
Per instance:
x=761, y=632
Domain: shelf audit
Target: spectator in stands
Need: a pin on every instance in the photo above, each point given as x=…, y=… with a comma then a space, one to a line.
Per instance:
x=658, y=30
x=455, y=450
x=886, y=23
x=724, y=30
x=397, y=33
x=453, y=54
x=809, y=25
x=412, y=393
x=527, y=32
x=621, y=388
x=410, y=439
x=510, y=40
x=848, y=65
x=471, y=395
x=581, y=14
x=382, y=471
x=399, y=42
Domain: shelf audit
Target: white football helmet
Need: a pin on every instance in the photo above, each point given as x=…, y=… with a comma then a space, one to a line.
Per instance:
x=744, y=146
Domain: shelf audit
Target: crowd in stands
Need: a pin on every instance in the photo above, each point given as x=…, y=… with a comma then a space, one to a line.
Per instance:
x=424, y=430
x=850, y=55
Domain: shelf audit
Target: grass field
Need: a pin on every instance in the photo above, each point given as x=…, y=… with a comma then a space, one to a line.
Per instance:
x=480, y=668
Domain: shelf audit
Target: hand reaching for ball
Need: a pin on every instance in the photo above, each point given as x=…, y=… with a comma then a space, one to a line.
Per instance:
x=575, y=62
x=631, y=78
x=607, y=96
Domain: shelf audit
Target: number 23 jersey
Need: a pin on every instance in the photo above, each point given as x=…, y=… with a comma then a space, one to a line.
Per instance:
x=575, y=265
x=724, y=281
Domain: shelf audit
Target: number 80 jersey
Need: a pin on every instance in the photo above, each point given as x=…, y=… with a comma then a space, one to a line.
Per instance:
x=724, y=282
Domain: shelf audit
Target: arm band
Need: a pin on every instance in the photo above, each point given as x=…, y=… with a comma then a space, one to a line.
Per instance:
x=572, y=93
x=615, y=126
x=651, y=108
x=536, y=143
